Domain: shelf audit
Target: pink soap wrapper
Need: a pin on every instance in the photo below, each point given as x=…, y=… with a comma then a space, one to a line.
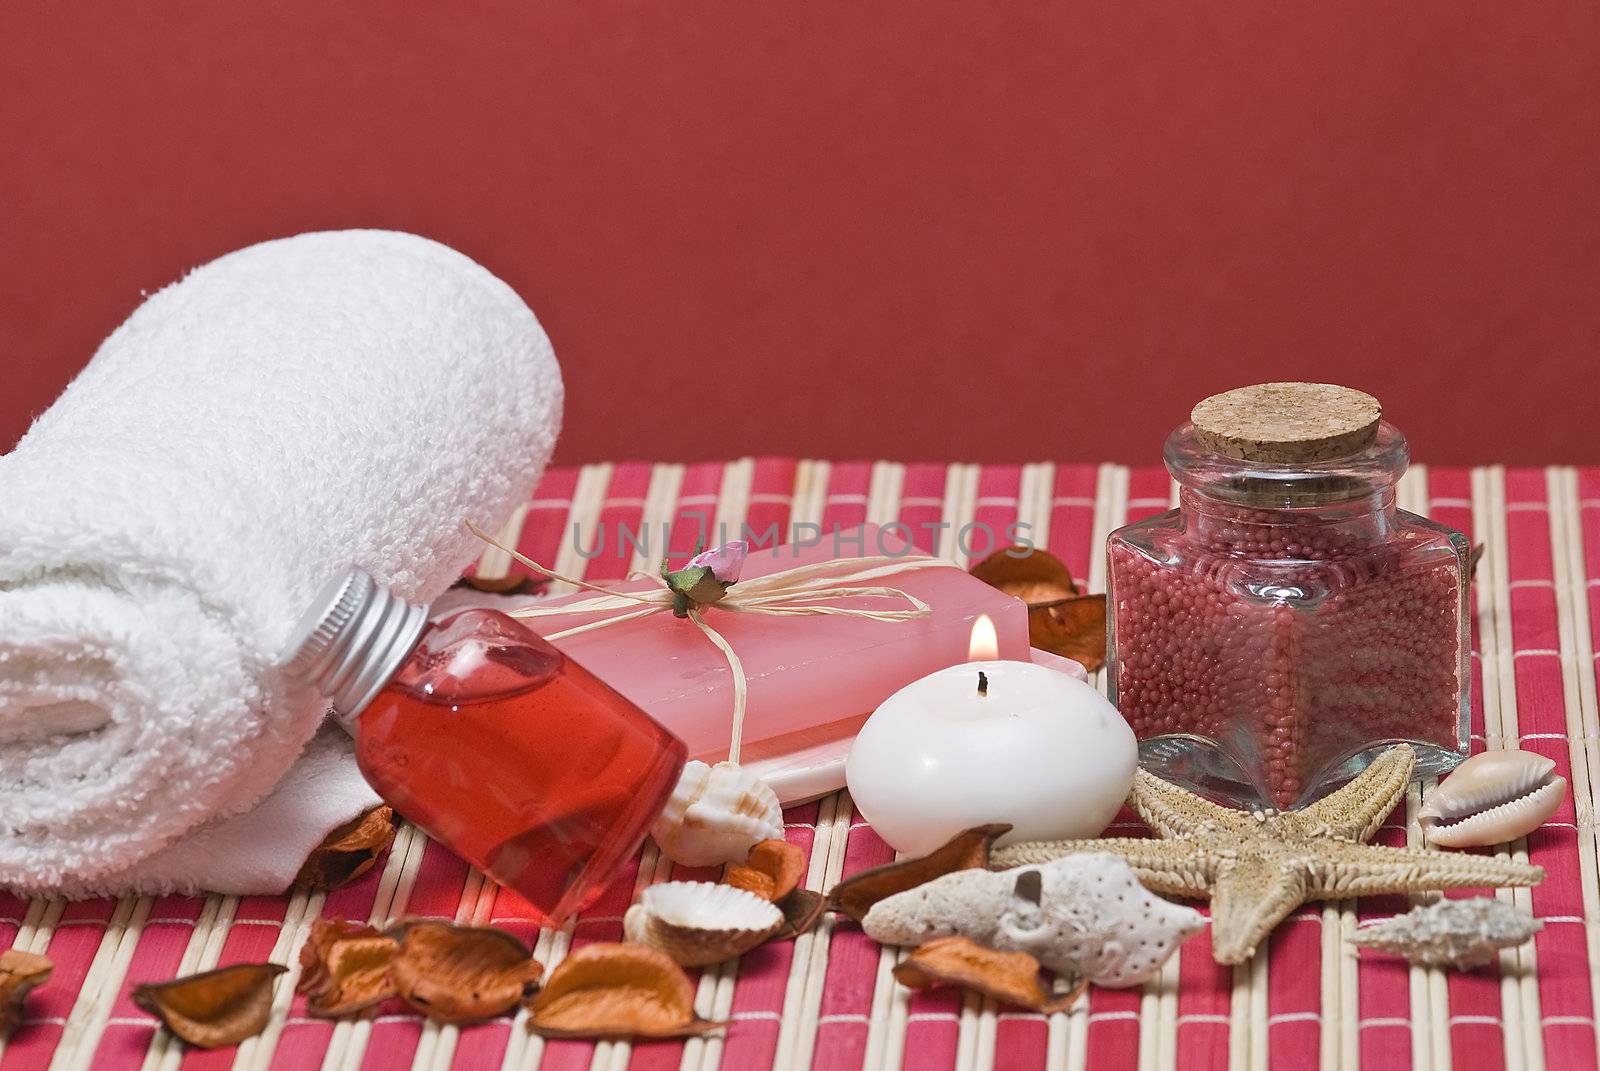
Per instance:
x=812, y=680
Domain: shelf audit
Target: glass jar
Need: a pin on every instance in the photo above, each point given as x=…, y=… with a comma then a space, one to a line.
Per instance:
x=1287, y=622
x=492, y=740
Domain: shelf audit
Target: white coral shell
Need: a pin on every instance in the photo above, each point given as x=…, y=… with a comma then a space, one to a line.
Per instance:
x=699, y=922
x=1493, y=797
x=1081, y=915
x=1451, y=933
x=716, y=815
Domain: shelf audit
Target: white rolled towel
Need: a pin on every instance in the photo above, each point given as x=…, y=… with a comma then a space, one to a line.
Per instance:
x=248, y=433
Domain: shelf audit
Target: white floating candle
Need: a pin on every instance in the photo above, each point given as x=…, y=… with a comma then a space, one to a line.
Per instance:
x=991, y=741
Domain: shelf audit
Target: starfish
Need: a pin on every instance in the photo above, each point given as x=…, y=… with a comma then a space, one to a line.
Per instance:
x=1257, y=866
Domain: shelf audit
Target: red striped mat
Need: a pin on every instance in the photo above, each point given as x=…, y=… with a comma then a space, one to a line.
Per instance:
x=828, y=1000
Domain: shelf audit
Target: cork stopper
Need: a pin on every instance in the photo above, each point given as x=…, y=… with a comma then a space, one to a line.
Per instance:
x=1287, y=423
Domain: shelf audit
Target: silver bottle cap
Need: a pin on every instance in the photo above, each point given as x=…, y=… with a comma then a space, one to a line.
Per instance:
x=352, y=640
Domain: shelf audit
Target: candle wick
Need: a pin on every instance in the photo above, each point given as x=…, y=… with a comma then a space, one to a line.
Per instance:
x=983, y=683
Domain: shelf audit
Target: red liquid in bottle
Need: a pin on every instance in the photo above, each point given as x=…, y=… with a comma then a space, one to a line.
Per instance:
x=519, y=759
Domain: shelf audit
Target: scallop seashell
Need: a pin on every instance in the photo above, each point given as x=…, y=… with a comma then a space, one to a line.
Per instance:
x=1451, y=933
x=700, y=922
x=1085, y=916
x=1492, y=798
x=716, y=815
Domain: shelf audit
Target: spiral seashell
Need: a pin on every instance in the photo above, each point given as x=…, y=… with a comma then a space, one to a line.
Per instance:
x=698, y=923
x=1085, y=916
x=1461, y=934
x=716, y=815
x=1492, y=798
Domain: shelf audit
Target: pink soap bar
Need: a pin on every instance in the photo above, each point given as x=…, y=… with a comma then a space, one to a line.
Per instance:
x=811, y=679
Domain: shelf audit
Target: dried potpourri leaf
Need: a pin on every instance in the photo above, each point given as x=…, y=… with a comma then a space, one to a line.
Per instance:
x=313, y=954
x=1031, y=574
x=801, y=910
x=344, y=967
x=617, y=991
x=515, y=584
x=348, y=852
x=1010, y=977
x=20, y=973
x=1061, y=619
x=459, y=974
x=1073, y=628
x=213, y=1008
x=1473, y=559
x=751, y=881
x=967, y=850
x=772, y=870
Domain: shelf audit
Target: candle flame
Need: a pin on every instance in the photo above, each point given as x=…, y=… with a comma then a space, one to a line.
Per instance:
x=985, y=645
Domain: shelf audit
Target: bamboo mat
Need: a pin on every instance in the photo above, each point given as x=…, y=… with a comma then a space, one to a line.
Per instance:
x=828, y=1000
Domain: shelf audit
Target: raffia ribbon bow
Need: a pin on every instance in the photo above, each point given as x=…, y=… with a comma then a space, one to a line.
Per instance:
x=803, y=591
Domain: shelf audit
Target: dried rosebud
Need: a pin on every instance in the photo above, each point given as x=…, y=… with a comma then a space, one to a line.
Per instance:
x=20, y=973
x=213, y=1008
x=725, y=562
x=459, y=974
x=1009, y=977
x=771, y=870
x=707, y=577
x=348, y=852
x=968, y=850
x=617, y=991
x=1061, y=618
x=344, y=967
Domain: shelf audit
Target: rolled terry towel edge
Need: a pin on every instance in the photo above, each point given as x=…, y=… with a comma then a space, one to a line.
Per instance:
x=149, y=745
x=288, y=410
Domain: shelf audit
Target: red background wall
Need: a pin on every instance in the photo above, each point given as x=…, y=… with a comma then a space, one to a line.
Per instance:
x=911, y=229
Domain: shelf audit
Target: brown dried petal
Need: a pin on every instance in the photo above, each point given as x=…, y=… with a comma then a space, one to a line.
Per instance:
x=514, y=584
x=1074, y=628
x=459, y=974
x=20, y=973
x=1473, y=559
x=1061, y=619
x=772, y=870
x=1030, y=573
x=617, y=991
x=344, y=967
x=313, y=954
x=213, y=1008
x=750, y=880
x=968, y=850
x=348, y=852
x=801, y=910
x=1009, y=977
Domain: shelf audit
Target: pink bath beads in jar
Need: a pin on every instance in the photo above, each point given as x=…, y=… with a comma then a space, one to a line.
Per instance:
x=1287, y=621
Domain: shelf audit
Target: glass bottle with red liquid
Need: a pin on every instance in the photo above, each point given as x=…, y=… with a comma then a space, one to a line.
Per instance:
x=1287, y=622
x=490, y=739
